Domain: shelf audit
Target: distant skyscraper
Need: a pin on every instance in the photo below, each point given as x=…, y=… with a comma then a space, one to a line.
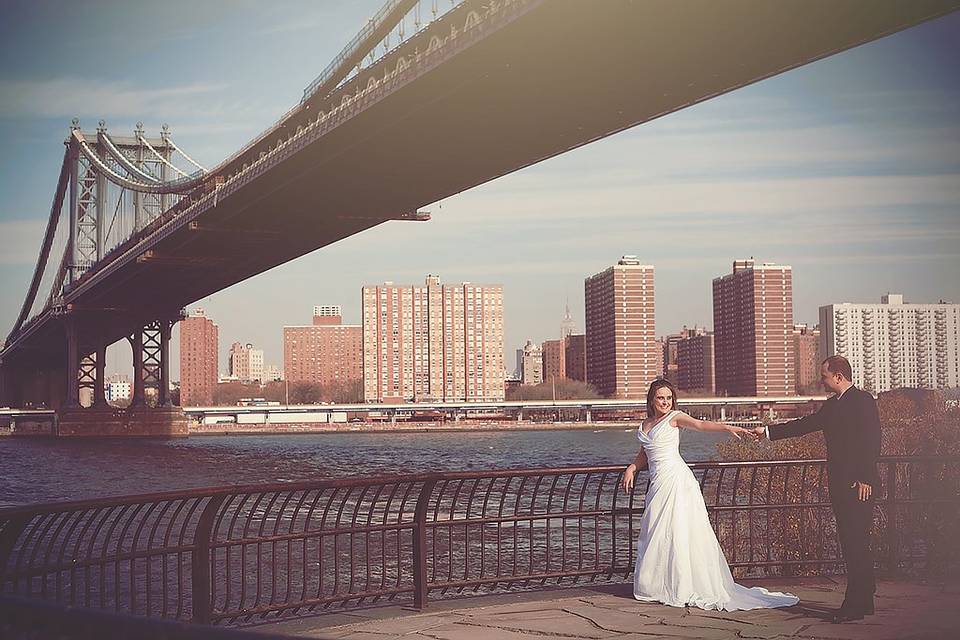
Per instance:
x=620, y=325
x=668, y=346
x=893, y=345
x=433, y=342
x=567, y=326
x=753, y=330
x=324, y=352
x=199, y=346
x=576, y=357
x=695, y=371
x=246, y=363
x=806, y=357
x=531, y=368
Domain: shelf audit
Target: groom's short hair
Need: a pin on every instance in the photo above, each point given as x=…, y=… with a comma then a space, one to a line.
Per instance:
x=839, y=364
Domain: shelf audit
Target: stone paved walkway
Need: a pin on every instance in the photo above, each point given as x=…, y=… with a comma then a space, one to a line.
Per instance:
x=905, y=610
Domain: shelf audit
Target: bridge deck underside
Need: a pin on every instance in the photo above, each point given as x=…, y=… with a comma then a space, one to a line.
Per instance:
x=565, y=74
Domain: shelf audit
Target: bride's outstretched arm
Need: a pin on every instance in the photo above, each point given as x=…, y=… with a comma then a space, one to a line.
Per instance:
x=640, y=462
x=689, y=422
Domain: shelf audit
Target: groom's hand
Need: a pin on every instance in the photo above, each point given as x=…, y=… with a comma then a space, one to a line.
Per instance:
x=759, y=432
x=863, y=490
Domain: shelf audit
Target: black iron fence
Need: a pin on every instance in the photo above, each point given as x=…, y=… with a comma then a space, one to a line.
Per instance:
x=239, y=554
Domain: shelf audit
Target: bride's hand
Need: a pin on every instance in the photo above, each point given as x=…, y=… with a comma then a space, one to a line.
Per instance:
x=739, y=432
x=628, y=474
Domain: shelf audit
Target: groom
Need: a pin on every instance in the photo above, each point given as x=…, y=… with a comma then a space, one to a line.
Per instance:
x=851, y=427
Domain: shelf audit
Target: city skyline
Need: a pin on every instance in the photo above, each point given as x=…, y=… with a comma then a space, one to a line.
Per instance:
x=848, y=163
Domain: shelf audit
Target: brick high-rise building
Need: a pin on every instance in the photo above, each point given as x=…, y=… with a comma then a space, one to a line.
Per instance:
x=199, y=347
x=324, y=352
x=620, y=325
x=554, y=360
x=695, y=370
x=894, y=344
x=576, y=357
x=433, y=342
x=806, y=358
x=753, y=330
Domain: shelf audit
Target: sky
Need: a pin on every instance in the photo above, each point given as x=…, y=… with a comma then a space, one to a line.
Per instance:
x=847, y=169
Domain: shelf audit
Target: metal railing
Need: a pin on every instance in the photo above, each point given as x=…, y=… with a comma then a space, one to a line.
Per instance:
x=238, y=554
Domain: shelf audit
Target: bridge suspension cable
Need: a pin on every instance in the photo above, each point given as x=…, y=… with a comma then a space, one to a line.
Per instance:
x=160, y=158
x=180, y=185
x=48, y=236
x=185, y=156
x=123, y=160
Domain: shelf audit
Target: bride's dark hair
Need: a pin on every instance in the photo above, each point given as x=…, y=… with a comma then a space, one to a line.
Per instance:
x=652, y=393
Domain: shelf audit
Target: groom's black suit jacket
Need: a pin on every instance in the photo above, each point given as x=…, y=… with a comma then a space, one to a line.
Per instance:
x=851, y=427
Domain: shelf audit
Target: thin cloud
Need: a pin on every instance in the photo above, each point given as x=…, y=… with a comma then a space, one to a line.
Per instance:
x=86, y=97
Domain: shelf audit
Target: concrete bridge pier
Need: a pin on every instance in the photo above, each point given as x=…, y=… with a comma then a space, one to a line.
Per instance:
x=86, y=355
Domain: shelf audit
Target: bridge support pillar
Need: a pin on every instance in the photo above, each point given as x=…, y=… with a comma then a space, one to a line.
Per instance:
x=6, y=393
x=99, y=395
x=102, y=420
x=589, y=416
x=136, y=346
x=723, y=412
x=72, y=401
x=163, y=393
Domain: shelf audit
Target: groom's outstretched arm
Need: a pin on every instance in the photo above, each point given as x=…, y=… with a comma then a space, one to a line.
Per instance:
x=799, y=427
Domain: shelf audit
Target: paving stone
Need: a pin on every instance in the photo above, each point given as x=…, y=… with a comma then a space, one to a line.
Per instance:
x=560, y=624
x=670, y=631
x=615, y=620
x=459, y=631
x=904, y=610
x=365, y=635
x=409, y=624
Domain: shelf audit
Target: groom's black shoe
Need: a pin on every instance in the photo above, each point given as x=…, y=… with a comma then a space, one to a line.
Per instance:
x=847, y=614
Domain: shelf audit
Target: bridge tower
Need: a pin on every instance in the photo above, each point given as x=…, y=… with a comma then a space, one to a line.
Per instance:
x=112, y=191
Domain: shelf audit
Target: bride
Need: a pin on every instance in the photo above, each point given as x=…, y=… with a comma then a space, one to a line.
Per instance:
x=679, y=561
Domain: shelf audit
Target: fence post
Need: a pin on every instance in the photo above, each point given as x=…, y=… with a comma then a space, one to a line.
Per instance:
x=200, y=574
x=893, y=539
x=420, y=544
x=10, y=532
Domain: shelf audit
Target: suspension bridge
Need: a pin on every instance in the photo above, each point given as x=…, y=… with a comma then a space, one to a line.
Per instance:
x=425, y=102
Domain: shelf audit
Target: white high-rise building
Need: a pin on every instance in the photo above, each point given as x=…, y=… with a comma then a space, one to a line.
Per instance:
x=246, y=363
x=894, y=345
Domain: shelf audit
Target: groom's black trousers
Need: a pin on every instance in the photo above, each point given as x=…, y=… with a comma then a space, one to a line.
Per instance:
x=854, y=521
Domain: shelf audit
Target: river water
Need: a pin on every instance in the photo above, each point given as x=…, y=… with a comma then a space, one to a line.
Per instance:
x=46, y=470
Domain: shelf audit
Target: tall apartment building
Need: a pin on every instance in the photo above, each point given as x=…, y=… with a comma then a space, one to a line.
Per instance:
x=554, y=360
x=806, y=358
x=576, y=357
x=324, y=352
x=199, y=347
x=695, y=362
x=620, y=326
x=433, y=342
x=531, y=364
x=753, y=330
x=246, y=363
x=893, y=344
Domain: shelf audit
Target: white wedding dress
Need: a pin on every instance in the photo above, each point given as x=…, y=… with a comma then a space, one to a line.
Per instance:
x=679, y=561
